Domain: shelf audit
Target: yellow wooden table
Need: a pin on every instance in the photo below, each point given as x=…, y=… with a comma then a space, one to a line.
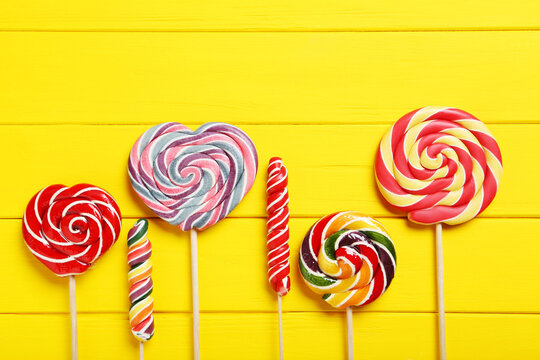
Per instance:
x=316, y=82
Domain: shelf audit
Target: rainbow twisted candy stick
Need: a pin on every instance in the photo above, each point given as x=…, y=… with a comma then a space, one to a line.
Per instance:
x=348, y=258
x=439, y=164
x=278, y=227
x=140, y=282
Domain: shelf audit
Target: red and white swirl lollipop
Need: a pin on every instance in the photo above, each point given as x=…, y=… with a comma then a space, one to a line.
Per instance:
x=440, y=165
x=68, y=229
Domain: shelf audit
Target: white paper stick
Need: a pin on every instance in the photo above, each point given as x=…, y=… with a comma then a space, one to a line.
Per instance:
x=350, y=347
x=195, y=295
x=141, y=351
x=440, y=291
x=73, y=314
x=280, y=316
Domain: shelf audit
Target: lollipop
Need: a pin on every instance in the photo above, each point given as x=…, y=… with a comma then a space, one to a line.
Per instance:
x=440, y=165
x=140, y=283
x=349, y=259
x=193, y=179
x=68, y=230
x=278, y=227
x=278, y=234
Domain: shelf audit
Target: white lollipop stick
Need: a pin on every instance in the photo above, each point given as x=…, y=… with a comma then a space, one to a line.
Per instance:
x=440, y=291
x=73, y=314
x=141, y=351
x=280, y=316
x=350, y=347
x=195, y=295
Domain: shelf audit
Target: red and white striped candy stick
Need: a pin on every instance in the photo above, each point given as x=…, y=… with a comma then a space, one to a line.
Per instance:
x=278, y=234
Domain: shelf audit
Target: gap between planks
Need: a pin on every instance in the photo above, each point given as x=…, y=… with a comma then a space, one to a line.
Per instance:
x=273, y=312
x=252, y=123
x=312, y=217
x=270, y=30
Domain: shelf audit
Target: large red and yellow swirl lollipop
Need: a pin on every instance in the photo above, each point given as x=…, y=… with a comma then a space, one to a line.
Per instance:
x=440, y=165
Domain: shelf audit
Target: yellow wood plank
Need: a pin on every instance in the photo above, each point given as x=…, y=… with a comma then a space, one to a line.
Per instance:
x=330, y=167
x=265, y=15
x=484, y=271
x=232, y=272
x=491, y=265
x=250, y=336
x=266, y=78
x=493, y=337
x=238, y=336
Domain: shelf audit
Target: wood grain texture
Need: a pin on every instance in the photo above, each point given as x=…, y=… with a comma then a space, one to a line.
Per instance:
x=232, y=272
x=491, y=266
x=315, y=82
x=484, y=273
x=492, y=336
x=256, y=15
x=331, y=167
x=106, y=336
x=265, y=78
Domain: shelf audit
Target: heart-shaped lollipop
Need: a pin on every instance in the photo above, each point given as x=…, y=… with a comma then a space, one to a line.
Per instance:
x=69, y=228
x=192, y=179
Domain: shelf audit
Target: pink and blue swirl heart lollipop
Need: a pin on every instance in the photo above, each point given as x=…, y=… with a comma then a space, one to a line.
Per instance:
x=193, y=179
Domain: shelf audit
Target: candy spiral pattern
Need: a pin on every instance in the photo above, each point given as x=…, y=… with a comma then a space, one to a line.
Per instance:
x=277, y=226
x=439, y=165
x=140, y=282
x=348, y=258
x=189, y=178
x=69, y=228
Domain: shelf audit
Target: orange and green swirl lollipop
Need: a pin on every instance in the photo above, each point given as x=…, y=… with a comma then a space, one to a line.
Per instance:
x=348, y=258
